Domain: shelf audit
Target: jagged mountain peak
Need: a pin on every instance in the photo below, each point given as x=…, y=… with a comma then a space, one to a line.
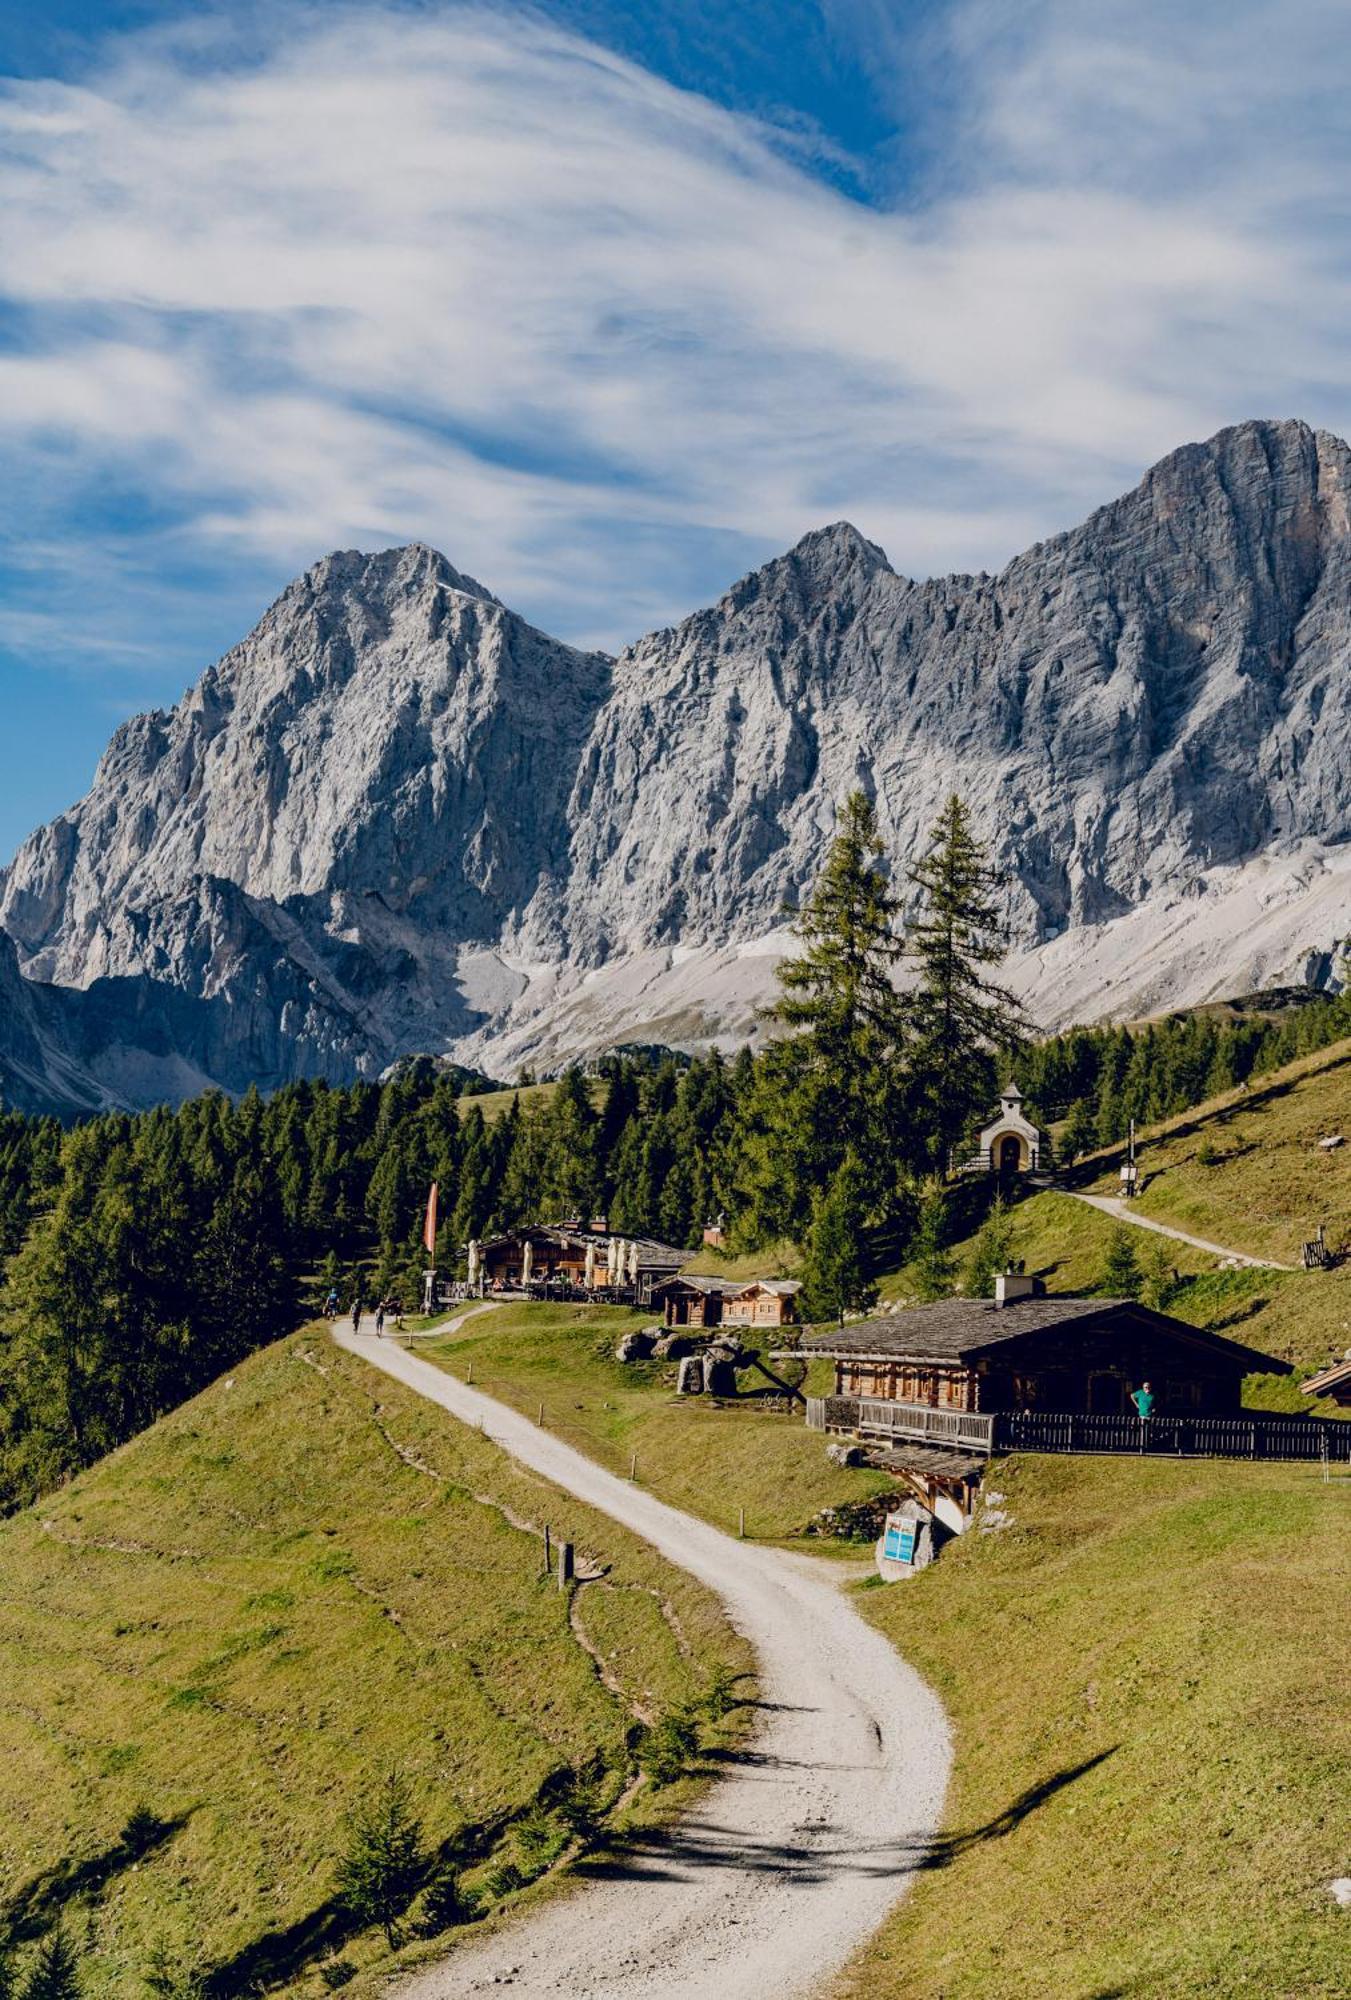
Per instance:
x=396, y=812
x=412, y=567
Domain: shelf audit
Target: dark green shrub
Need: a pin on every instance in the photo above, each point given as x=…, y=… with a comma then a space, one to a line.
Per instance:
x=669, y=1747
x=378, y=1876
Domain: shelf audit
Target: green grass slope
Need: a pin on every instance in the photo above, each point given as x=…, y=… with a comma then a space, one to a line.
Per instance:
x=242, y=1620
x=712, y=1462
x=1147, y=1674
x=1245, y=1169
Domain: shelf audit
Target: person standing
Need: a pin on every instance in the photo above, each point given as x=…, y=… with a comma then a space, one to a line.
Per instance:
x=356, y=1315
x=380, y=1320
x=1143, y=1399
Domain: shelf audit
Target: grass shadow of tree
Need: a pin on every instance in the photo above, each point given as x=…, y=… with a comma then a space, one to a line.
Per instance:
x=949, y=1847
x=34, y=1907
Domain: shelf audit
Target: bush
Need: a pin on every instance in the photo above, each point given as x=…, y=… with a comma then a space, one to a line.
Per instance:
x=669, y=1747
x=1207, y=1154
x=338, y=1972
x=582, y=1810
x=503, y=1880
x=172, y=1977
x=721, y=1695
x=144, y=1830
x=540, y=1839
x=446, y=1903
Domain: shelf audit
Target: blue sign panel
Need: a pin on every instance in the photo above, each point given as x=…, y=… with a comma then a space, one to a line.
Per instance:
x=899, y=1543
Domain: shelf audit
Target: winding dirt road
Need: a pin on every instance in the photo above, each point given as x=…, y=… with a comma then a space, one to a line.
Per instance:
x=795, y=1856
x=1123, y=1211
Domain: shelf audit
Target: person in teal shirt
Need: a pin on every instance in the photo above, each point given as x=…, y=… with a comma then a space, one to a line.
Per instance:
x=1143, y=1399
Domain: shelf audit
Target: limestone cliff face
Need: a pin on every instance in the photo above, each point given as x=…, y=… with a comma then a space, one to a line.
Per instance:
x=1163, y=690
x=389, y=732
x=397, y=817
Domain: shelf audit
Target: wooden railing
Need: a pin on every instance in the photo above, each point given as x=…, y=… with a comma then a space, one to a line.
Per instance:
x=1256, y=1434
x=1259, y=1434
x=879, y=1415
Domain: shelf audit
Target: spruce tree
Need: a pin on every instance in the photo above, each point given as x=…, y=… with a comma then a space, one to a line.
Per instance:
x=380, y=1873
x=835, y=1274
x=830, y=1088
x=930, y=1259
x=990, y=1253
x=961, y=1018
x=1122, y=1277
x=55, y=1971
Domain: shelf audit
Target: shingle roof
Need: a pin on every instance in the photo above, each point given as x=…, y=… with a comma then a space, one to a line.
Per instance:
x=652, y=1255
x=960, y=1329
x=1328, y=1378
x=721, y=1287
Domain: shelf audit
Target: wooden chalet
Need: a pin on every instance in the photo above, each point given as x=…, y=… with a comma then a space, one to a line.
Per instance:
x=571, y=1258
x=1025, y=1353
x=1022, y=1372
x=711, y=1301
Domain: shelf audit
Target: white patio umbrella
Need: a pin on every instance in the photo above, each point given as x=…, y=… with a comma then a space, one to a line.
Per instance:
x=527, y=1261
x=473, y=1262
x=589, y=1278
x=633, y=1263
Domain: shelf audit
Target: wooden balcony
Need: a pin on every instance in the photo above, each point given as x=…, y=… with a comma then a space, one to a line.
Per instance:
x=877, y=1416
x=1253, y=1435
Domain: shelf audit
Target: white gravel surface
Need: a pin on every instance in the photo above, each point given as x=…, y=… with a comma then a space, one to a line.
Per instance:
x=792, y=1858
x=1124, y=1211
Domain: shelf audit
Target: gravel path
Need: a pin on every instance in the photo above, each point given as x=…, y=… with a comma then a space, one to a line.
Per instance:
x=1123, y=1211
x=793, y=1858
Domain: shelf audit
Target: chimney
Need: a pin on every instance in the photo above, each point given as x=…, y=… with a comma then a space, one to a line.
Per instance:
x=1010, y=1286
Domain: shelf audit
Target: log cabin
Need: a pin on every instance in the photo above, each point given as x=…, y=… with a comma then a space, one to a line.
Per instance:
x=1024, y=1352
x=1333, y=1382
x=710, y=1301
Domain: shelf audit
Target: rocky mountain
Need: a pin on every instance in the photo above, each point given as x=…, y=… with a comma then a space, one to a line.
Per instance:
x=398, y=817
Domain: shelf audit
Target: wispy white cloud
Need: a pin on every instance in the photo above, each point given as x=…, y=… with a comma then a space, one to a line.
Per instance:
x=458, y=275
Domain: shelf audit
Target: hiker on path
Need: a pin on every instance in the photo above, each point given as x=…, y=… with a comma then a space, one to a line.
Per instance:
x=356, y=1315
x=380, y=1320
x=331, y=1303
x=1143, y=1399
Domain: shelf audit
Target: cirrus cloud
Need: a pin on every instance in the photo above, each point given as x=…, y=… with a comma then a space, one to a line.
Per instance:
x=459, y=274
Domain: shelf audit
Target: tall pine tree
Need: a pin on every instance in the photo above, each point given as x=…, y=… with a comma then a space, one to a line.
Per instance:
x=962, y=1020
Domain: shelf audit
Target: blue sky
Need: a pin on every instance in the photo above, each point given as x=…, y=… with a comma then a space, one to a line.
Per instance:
x=611, y=303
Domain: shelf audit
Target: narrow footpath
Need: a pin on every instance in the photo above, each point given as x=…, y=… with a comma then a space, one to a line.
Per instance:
x=1124, y=1211
x=793, y=1857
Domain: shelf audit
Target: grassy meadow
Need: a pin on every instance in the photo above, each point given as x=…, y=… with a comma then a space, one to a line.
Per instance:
x=1245, y=1169
x=237, y=1624
x=710, y=1461
x=1146, y=1671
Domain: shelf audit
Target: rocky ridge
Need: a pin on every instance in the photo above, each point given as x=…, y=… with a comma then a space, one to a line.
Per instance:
x=398, y=817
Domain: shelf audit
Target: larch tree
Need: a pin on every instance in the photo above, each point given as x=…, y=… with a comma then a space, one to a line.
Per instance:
x=961, y=1018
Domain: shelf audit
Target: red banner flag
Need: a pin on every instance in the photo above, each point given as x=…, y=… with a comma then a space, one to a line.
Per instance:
x=429, y=1226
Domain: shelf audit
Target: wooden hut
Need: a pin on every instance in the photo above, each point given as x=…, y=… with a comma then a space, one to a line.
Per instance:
x=1333, y=1382
x=688, y=1300
x=1021, y=1352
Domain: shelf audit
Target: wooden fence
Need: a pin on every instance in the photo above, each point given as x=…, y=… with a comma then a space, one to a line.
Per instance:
x=1252, y=1435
